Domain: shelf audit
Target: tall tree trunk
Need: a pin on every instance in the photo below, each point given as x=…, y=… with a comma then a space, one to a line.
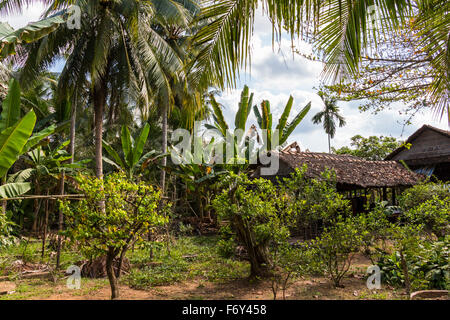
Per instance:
x=4, y=202
x=73, y=117
x=44, y=236
x=60, y=223
x=329, y=144
x=164, y=146
x=99, y=105
x=111, y=274
x=37, y=205
x=257, y=252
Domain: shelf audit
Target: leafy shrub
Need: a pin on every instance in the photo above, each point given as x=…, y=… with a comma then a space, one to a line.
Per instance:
x=428, y=266
x=6, y=228
x=434, y=214
x=249, y=207
x=415, y=196
x=289, y=262
x=114, y=214
x=312, y=201
x=334, y=250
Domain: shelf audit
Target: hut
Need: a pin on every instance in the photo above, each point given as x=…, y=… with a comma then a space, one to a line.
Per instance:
x=355, y=177
x=426, y=151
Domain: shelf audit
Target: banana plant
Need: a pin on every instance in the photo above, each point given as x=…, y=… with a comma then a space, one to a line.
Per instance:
x=16, y=138
x=10, y=38
x=132, y=160
x=240, y=142
x=283, y=128
x=241, y=117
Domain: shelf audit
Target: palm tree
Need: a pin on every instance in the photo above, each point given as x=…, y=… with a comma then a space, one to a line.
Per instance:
x=328, y=116
x=341, y=32
x=115, y=45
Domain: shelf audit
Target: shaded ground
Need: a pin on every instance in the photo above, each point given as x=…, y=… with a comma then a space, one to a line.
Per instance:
x=193, y=271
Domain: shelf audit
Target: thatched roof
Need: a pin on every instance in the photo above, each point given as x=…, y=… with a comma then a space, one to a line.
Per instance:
x=350, y=170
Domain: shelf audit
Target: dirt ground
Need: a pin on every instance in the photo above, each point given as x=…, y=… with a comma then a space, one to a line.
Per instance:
x=312, y=288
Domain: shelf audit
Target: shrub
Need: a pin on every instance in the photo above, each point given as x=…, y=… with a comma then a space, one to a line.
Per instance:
x=335, y=248
x=114, y=214
x=434, y=214
x=312, y=201
x=250, y=208
x=428, y=266
x=289, y=262
x=6, y=228
x=415, y=196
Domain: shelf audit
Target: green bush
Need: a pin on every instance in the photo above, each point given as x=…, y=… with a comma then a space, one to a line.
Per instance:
x=415, y=196
x=250, y=208
x=434, y=214
x=115, y=214
x=6, y=228
x=312, y=201
x=333, y=251
x=428, y=266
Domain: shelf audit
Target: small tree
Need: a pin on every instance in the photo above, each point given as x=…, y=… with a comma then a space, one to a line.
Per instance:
x=250, y=207
x=335, y=248
x=289, y=262
x=129, y=212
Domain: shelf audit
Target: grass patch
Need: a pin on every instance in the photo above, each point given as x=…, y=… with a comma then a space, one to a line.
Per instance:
x=189, y=258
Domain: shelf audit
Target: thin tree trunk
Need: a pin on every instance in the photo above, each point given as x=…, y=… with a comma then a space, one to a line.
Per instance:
x=37, y=205
x=73, y=117
x=163, y=172
x=44, y=237
x=164, y=146
x=405, y=273
x=99, y=105
x=60, y=222
x=4, y=202
x=111, y=274
x=329, y=144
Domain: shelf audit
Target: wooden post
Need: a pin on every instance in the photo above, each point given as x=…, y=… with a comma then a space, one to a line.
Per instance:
x=393, y=196
x=384, y=194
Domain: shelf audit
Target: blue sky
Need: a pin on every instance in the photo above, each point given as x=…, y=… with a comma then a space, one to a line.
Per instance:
x=275, y=74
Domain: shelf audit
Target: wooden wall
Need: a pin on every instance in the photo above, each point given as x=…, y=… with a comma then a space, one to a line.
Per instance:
x=428, y=148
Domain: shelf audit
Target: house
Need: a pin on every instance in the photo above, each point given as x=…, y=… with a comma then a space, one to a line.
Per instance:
x=355, y=177
x=429, y=152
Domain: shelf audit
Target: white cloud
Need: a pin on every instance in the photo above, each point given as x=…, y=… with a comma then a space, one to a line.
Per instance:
x=30, y=13
x=275, y=74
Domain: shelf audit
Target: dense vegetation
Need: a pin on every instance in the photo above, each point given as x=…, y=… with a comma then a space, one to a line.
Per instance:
x=86, y=176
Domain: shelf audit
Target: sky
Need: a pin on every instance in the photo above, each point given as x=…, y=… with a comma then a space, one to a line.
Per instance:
x=275, y=74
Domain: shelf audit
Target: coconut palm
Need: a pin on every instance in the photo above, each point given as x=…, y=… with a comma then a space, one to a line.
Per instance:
x=116, y=41
x=341, y=32
x=328, y=116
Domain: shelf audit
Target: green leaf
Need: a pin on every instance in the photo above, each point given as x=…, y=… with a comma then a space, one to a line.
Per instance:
x=11, y=190
x=284, y=117
x=10, y=38
x=11, y=106
x=294, y=123
x=218, y=116
x=113, y=154
x=13, y=139
x=140, y=143
x=126, y=145
x=107, y=160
